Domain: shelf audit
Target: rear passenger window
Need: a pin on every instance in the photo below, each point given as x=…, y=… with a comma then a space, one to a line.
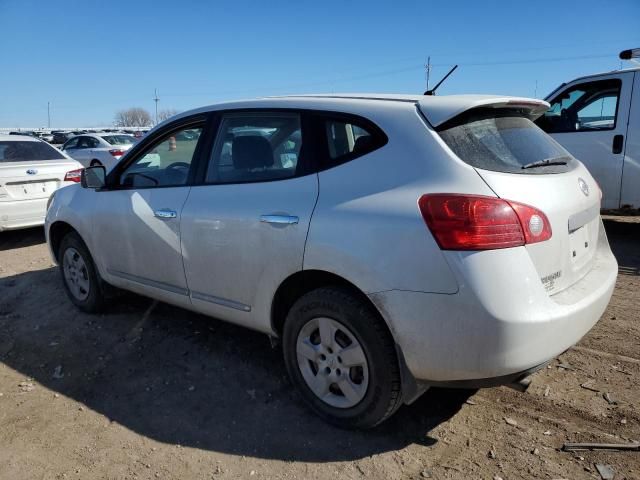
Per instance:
x=254, y=147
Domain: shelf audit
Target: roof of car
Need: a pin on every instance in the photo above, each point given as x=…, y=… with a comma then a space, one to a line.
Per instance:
x=22, y=138
x=438, y=109
x=592, y=75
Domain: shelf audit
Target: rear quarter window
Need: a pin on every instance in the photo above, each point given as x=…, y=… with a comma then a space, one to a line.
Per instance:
x=347, y=138
x=504, y=141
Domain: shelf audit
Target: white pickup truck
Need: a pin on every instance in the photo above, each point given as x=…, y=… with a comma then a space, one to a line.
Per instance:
x=597, y=118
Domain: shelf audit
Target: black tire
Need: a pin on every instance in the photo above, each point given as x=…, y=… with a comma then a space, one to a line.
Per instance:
x=95, y=297
x=383, y=393
x=95, y=163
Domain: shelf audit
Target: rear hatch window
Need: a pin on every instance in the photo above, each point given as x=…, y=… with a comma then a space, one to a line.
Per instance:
x=25, y=151
x=504, y=141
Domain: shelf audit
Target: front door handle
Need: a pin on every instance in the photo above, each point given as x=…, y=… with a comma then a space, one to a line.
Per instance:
x=618, y=142
x=279, y=219
x=165, y=213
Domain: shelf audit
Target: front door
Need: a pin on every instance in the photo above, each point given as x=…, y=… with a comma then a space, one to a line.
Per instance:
x=137, y=220
x=244, y=230
x=589, y=119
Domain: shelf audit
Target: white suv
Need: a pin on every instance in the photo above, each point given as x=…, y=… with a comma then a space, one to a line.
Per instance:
x=392, y=243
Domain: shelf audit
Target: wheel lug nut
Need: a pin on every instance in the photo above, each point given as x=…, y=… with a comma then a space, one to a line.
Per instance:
x=338, y=372
x=323, y=357
x=327, y=370
x=329, y=350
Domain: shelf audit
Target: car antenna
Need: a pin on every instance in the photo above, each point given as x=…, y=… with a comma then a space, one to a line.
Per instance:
x=632, y=55
x=432, y=91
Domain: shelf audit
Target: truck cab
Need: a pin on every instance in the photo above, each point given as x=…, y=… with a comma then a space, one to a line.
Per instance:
x=597, y=119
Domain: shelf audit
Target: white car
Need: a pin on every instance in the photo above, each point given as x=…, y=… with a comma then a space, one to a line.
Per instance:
x=392, y=243
x=597, y=119
x=30, y=171
x=99, y=149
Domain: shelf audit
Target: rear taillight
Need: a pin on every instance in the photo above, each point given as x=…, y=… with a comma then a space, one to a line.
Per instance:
x=475, y=222
x=117, y=153
x=73, y=175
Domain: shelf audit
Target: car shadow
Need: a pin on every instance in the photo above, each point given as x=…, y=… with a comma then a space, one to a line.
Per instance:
x=624, y=238
x=183, y=378
x=21, y=238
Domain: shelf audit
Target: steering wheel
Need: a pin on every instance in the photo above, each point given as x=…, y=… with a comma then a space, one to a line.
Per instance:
x=177, y=165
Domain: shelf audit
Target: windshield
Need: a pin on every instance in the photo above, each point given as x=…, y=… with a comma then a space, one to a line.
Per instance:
x=503, y=141
x=18, y=151
x=120, y=139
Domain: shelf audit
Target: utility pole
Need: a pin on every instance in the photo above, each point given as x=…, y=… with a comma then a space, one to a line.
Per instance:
x=48, y=115
x=156, y=99
x=428, y=67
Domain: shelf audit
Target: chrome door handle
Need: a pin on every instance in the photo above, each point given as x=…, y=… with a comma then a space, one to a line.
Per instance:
x=165, y=213
x=279, y=219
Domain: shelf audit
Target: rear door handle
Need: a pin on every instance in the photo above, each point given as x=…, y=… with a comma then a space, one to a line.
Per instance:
x=279, y=219
x=618, y=142
x=165, y=213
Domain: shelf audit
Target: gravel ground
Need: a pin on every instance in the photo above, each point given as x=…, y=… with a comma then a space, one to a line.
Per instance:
x=152, y=391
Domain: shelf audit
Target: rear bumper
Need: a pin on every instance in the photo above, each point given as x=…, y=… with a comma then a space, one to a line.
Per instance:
x=500, y=323
x=22, y=213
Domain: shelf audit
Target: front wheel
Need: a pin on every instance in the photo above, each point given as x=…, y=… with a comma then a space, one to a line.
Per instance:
x=79, y=275
x=342, y=358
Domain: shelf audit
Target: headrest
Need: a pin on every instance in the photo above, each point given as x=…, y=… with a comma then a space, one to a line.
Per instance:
x=251, y=151
x=363, y=143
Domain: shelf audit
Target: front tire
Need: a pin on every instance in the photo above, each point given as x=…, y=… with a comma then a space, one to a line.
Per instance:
x=342, y=358
x=80, y=278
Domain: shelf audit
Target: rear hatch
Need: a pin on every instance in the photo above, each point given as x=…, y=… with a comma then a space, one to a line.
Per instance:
x=31, y=170
x=519, y=162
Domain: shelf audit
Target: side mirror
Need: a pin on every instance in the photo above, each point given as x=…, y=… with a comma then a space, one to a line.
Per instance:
x=94, y=177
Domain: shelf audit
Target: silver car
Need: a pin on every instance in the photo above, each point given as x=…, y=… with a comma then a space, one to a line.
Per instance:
x=99, y=149
x=391, y=243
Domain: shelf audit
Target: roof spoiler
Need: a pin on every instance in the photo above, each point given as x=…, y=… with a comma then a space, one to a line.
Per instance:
x=439, y=110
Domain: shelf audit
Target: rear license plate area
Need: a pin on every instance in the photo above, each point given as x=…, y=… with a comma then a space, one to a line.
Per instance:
x=580, y=245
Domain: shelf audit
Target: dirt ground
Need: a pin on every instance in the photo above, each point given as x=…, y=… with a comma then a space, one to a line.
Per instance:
x=152, y=391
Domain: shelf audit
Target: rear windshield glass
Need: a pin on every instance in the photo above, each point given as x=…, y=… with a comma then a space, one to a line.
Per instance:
x=11, y=151
x=505, y=142
x=120, y=139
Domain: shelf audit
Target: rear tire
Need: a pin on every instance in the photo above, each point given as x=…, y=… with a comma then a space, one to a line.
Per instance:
x=80, y=277
x=342, y=358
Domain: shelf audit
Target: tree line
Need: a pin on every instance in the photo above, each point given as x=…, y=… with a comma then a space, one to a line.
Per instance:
x=139, y=117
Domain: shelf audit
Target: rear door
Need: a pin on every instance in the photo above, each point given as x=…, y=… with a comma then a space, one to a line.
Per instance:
x=519, y=162
x=589, y=118
x=244, y=228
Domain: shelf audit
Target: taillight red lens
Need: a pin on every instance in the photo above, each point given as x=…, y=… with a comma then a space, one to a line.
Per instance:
x=73, y=175
x=475, y=222
x=117, y=153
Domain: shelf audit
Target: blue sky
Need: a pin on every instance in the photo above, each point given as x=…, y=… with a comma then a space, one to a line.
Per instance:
x=91, y=58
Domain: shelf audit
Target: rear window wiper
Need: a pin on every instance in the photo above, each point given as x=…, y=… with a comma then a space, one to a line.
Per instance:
x=545, y=162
